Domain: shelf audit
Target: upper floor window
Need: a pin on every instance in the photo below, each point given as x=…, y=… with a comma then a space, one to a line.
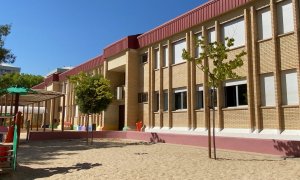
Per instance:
x=156, y=101
x=177, y=51
x=144, y=58
x=267, y=89
x=289, y=86
x=235, y=93
x=234, y=29
x=264, y=24
x=211, y=35
x=198, y=49
x=285, y=17
x=165, y=56
x=180, y=99
x=157, y=58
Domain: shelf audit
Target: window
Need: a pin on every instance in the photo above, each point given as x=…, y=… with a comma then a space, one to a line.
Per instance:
x=166, y=100
x=144, y=58
x=211, y=35
x=177, y=51
x=142, y=97
x=157, y=59
x=267, y=89
x=199, y=97
x=165, y=56
x=235, y=93
x=285, y=17
x=211, y=97
x=198, y=49
x=264, y=24
x=289, y=83
x=234, y=29
x=180, y=97
x=156, y=101
x=76, y=111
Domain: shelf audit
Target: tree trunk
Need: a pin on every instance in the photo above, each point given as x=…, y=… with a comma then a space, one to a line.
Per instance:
x=214, y=135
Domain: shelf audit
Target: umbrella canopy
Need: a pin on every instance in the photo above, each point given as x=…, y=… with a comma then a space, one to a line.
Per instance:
x=19, y=90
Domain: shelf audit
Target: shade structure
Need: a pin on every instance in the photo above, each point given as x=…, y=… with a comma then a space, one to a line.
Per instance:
x=19, y=90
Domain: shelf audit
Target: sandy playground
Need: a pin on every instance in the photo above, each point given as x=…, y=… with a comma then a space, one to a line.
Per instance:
x=127, y=159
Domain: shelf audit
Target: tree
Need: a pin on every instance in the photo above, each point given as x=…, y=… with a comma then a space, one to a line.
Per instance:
x=222, y=69
x=20, y=80
x=93, y=94
x=5, y=54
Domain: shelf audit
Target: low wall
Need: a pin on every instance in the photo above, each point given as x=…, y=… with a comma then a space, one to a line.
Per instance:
x=264, y=146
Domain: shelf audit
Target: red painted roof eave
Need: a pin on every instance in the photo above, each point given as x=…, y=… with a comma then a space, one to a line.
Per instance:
x=190, y=19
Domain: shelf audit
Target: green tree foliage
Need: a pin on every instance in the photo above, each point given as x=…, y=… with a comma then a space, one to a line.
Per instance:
x=217, y=53
x=20, y=80
x=5, y=54
x=93, y=93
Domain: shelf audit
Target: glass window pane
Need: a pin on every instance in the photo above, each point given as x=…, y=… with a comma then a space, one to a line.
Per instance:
x=230, y=95
x=242, y=95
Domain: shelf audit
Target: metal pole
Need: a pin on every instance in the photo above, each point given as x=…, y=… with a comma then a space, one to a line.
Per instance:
x=27, y=112
x=1, y=106
x=53, y=113
x=87, y=129
x=11, y=108
x=5, y=109
x=38, y=117
x=45, y=115
x=63, y=114
x=31, y=120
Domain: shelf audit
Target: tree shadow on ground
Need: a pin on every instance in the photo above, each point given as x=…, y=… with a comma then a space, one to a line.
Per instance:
x=24, y=172
x=39, y=152
x=290, y=148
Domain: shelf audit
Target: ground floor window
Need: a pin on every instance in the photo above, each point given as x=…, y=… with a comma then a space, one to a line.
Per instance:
x=165, y=100
x=199, y=97
x=143, y=97
x=180, y=99
x=289, y=83
x=235, y=93
x=156, y=101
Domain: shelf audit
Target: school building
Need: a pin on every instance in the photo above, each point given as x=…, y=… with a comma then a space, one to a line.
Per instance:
x=153, y=84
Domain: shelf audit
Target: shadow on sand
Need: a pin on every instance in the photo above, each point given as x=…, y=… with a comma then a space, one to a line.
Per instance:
x=25, y=172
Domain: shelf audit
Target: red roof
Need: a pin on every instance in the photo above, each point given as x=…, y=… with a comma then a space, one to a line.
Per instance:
x=86, y=66
x=129, y=42
x=192, y=18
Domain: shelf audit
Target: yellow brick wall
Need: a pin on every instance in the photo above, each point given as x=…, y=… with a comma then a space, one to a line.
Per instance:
x=292, y=118
x=165, y=78
x=179, y=75
x=266, y=56
x=200, y=121
x=269, y=118
x=236, y=119
x=242, y=71
x=288, y=52
x=157, y=80
x=180, y=119
x=156, y=120
x=165, y=119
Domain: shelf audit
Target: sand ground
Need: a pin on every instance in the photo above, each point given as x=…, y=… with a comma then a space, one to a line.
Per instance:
x=127, y=159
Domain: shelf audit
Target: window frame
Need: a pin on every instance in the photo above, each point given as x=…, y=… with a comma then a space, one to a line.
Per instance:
x=236, y=84
x=183, y=101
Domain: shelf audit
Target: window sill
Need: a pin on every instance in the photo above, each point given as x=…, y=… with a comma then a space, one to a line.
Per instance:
x=235, y=108
x=238, y=47
x=144, y=63
x=267, y=107
x=290, y=106
x=285, y=34
x=178, y=63
x=156, y=69
x=180, y=111
x=199, y=110
x=165, y=67
x=156, y=112
x=264, y=40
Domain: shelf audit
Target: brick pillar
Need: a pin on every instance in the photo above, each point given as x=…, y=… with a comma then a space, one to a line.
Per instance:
x=206, y=93
x=150, y=90
x=189, y=88
x=161, y=105
x=220, y=93
x=192, y=75
x=277, y=74
x=250, y=90
x=256, y=72
x=170, y=91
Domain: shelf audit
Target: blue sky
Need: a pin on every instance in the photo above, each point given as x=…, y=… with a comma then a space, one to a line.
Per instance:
x=47, y=34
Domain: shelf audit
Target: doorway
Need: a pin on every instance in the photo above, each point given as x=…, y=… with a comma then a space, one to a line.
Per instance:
x=121, y=117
